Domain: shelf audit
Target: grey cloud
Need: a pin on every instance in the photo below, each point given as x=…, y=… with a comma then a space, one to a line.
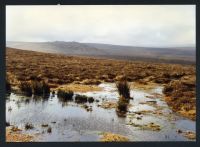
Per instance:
x=125, y=25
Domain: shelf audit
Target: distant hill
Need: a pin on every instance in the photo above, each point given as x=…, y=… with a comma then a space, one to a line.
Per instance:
x=186, y=55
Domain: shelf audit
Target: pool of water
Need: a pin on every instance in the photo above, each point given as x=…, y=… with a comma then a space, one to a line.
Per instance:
x=71, y=122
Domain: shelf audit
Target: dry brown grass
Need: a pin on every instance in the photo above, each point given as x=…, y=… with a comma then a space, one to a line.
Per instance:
x=181, y=96
x=110, y=137
x=60, y=69
x=17, y=136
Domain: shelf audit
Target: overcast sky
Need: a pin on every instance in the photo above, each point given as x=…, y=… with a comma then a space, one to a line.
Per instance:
x=125, y=25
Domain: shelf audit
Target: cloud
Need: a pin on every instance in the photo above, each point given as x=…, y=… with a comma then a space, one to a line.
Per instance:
x=138, y=25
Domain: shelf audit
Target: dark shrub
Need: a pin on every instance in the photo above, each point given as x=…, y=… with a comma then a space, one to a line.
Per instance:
x=65, y=95
x=40, y=88
x=26, y=88
x=46, y=88
x=90, y=99
x=37, y=88
x=28, y=126
x=123, y=88
x=122, y=104
x=81, y=98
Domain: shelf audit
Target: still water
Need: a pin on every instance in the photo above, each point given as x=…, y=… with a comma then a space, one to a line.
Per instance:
x=71, y=122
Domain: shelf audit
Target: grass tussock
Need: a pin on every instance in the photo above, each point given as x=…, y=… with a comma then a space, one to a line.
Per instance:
x=66, y=95
x=81, y=98
x=29, y=126
x=38, y=88
x=123, y=89
x=26, y=88
x=122, y=104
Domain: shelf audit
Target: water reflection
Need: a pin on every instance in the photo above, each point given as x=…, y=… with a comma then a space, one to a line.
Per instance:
x=75, y=123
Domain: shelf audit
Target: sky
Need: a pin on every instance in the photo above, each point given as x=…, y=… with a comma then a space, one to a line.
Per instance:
x=135, y=25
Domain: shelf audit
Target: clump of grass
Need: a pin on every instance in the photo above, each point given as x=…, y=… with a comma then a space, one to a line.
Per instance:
x=67, y=95
x=81, y=98
x=123, y=89
x=122, y=104
x=29, y=126
x=124, y=92
x=26, y=88
x=90, y=99
x=40, y=88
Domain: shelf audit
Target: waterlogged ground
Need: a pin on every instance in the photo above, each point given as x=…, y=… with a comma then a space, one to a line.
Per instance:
x=148, y=119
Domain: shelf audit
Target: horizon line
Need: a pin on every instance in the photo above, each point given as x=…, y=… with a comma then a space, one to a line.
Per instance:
x=170, y=46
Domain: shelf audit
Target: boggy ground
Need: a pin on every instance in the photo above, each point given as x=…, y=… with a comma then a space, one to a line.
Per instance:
x=59, y=70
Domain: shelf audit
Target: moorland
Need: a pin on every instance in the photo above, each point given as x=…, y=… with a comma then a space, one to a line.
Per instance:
x=74, y=73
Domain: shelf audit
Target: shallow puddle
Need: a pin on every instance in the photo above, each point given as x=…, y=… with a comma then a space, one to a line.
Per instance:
x=71, y=122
